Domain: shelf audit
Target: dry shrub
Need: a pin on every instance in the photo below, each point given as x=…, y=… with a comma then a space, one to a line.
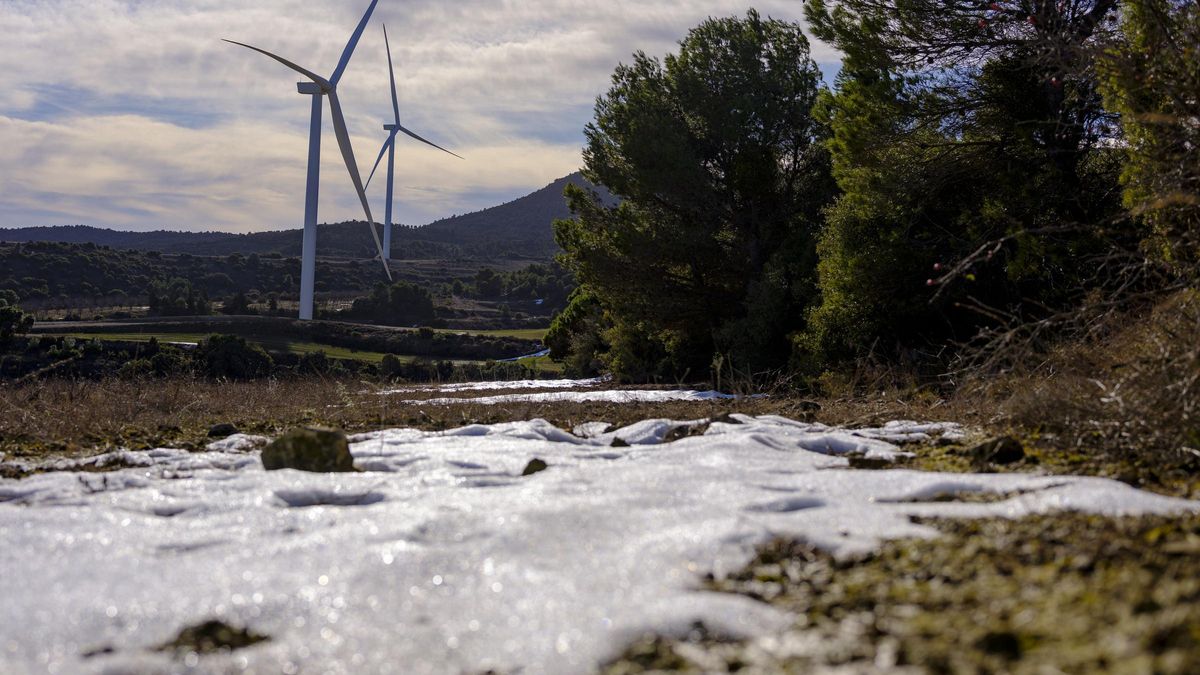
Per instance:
x=1133, y=393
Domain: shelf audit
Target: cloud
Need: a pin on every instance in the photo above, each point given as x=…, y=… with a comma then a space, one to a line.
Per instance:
x=134, y=114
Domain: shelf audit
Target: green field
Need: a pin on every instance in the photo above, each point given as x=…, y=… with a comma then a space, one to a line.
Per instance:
x=522, y=333
x=269, y=344
x=289, y=346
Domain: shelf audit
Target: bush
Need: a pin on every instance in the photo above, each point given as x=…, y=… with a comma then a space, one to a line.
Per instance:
x=231, y=357
x=13, y=321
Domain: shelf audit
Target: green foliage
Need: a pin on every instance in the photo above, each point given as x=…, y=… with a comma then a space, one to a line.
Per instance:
x=231, y=357
x=957, y=130
x=177, y=297
x=13, y=321
x=575, y=338
x=1151, y=74
x=721, y=174
x=237, y=304
x=400, y=304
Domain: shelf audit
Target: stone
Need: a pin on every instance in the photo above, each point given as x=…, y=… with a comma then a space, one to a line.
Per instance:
x=212, y=636
x=1000, y=450
x=222, y=430
x=309, y=449
x=534, y=466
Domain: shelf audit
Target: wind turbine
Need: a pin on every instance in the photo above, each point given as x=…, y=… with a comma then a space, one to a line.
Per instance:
x=389, y=146
x=320, y=87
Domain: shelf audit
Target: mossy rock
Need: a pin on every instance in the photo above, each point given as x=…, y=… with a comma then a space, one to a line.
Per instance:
x=310, y=449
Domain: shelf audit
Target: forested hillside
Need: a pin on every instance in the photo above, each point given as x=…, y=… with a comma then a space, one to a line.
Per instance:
x=521, y=228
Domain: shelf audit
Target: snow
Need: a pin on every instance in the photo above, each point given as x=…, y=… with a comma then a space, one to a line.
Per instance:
x=503, y=384
x=597, y=395
x=440, y=557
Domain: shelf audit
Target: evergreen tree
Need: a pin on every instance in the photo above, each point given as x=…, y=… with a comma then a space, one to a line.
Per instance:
x=1152, y=78
x=721, y=177
x=956, y=125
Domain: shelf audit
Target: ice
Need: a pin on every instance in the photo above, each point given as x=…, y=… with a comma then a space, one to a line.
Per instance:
x=440, y=557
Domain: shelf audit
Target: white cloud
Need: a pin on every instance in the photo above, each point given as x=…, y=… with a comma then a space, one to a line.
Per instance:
x=134, y=114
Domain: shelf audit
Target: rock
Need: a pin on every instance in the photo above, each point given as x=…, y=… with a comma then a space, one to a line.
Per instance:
x=212, y=636
x=309, y=449
x=1001, y=450
x=535, y=465
x=221, y=430
x=619, y=443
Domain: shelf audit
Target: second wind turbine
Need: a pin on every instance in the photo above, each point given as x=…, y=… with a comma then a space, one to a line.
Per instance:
x=318, y=88
x=389, y=146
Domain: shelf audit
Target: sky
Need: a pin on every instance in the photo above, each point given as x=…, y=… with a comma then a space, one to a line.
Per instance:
x=133, y=114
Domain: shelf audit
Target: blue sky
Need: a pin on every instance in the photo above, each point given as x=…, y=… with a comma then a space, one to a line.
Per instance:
x=133, y=114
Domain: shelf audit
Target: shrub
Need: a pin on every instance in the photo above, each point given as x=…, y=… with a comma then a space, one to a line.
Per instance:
x=231, y=357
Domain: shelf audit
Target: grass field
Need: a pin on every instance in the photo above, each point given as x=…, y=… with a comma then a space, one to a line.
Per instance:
x=522, y=333
x=269, y=344
x=280, y=345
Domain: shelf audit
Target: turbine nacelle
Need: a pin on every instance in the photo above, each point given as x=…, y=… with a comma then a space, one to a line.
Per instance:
x=391, y=127
x=309, y=88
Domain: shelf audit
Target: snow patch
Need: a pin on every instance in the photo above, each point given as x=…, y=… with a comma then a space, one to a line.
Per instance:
x=440, y=556
x=599, y=395
x=504, y=384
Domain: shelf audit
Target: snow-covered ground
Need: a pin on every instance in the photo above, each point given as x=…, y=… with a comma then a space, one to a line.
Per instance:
x=501, y=384
x=583, y=391
x=440, y=557
x=593, y=395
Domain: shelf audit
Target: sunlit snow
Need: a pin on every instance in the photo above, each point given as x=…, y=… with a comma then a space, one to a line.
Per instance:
x=440, y=557
x=501, y=384
x=586, y=396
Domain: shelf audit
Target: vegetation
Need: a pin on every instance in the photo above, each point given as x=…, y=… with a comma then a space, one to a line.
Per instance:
x=1064, y=593
x=1151, y=73
x=977, y=228
x=400, y=304
x=12, y=320
x=722, y=176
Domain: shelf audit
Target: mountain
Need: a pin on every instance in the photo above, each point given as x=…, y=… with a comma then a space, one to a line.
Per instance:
x=525, y=220
x=518, y=229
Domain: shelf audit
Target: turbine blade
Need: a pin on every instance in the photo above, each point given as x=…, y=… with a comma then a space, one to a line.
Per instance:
x=390, y=139
x=307, y=73
x=392, y=77
x=427, y=142
x=341, y=67
x=343, y=139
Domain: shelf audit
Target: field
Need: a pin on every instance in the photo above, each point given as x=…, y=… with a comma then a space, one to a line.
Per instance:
x=784, y=569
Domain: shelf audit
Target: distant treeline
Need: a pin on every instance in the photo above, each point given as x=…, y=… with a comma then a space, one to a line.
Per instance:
x=55, y=274
x=221, y=357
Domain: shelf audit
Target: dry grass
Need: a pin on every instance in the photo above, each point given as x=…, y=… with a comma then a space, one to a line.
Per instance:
x=74, y=418
x=1132, y=396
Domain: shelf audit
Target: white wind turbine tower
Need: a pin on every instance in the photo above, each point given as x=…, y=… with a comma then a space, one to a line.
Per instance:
x=318, y=88
x=389, y=146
